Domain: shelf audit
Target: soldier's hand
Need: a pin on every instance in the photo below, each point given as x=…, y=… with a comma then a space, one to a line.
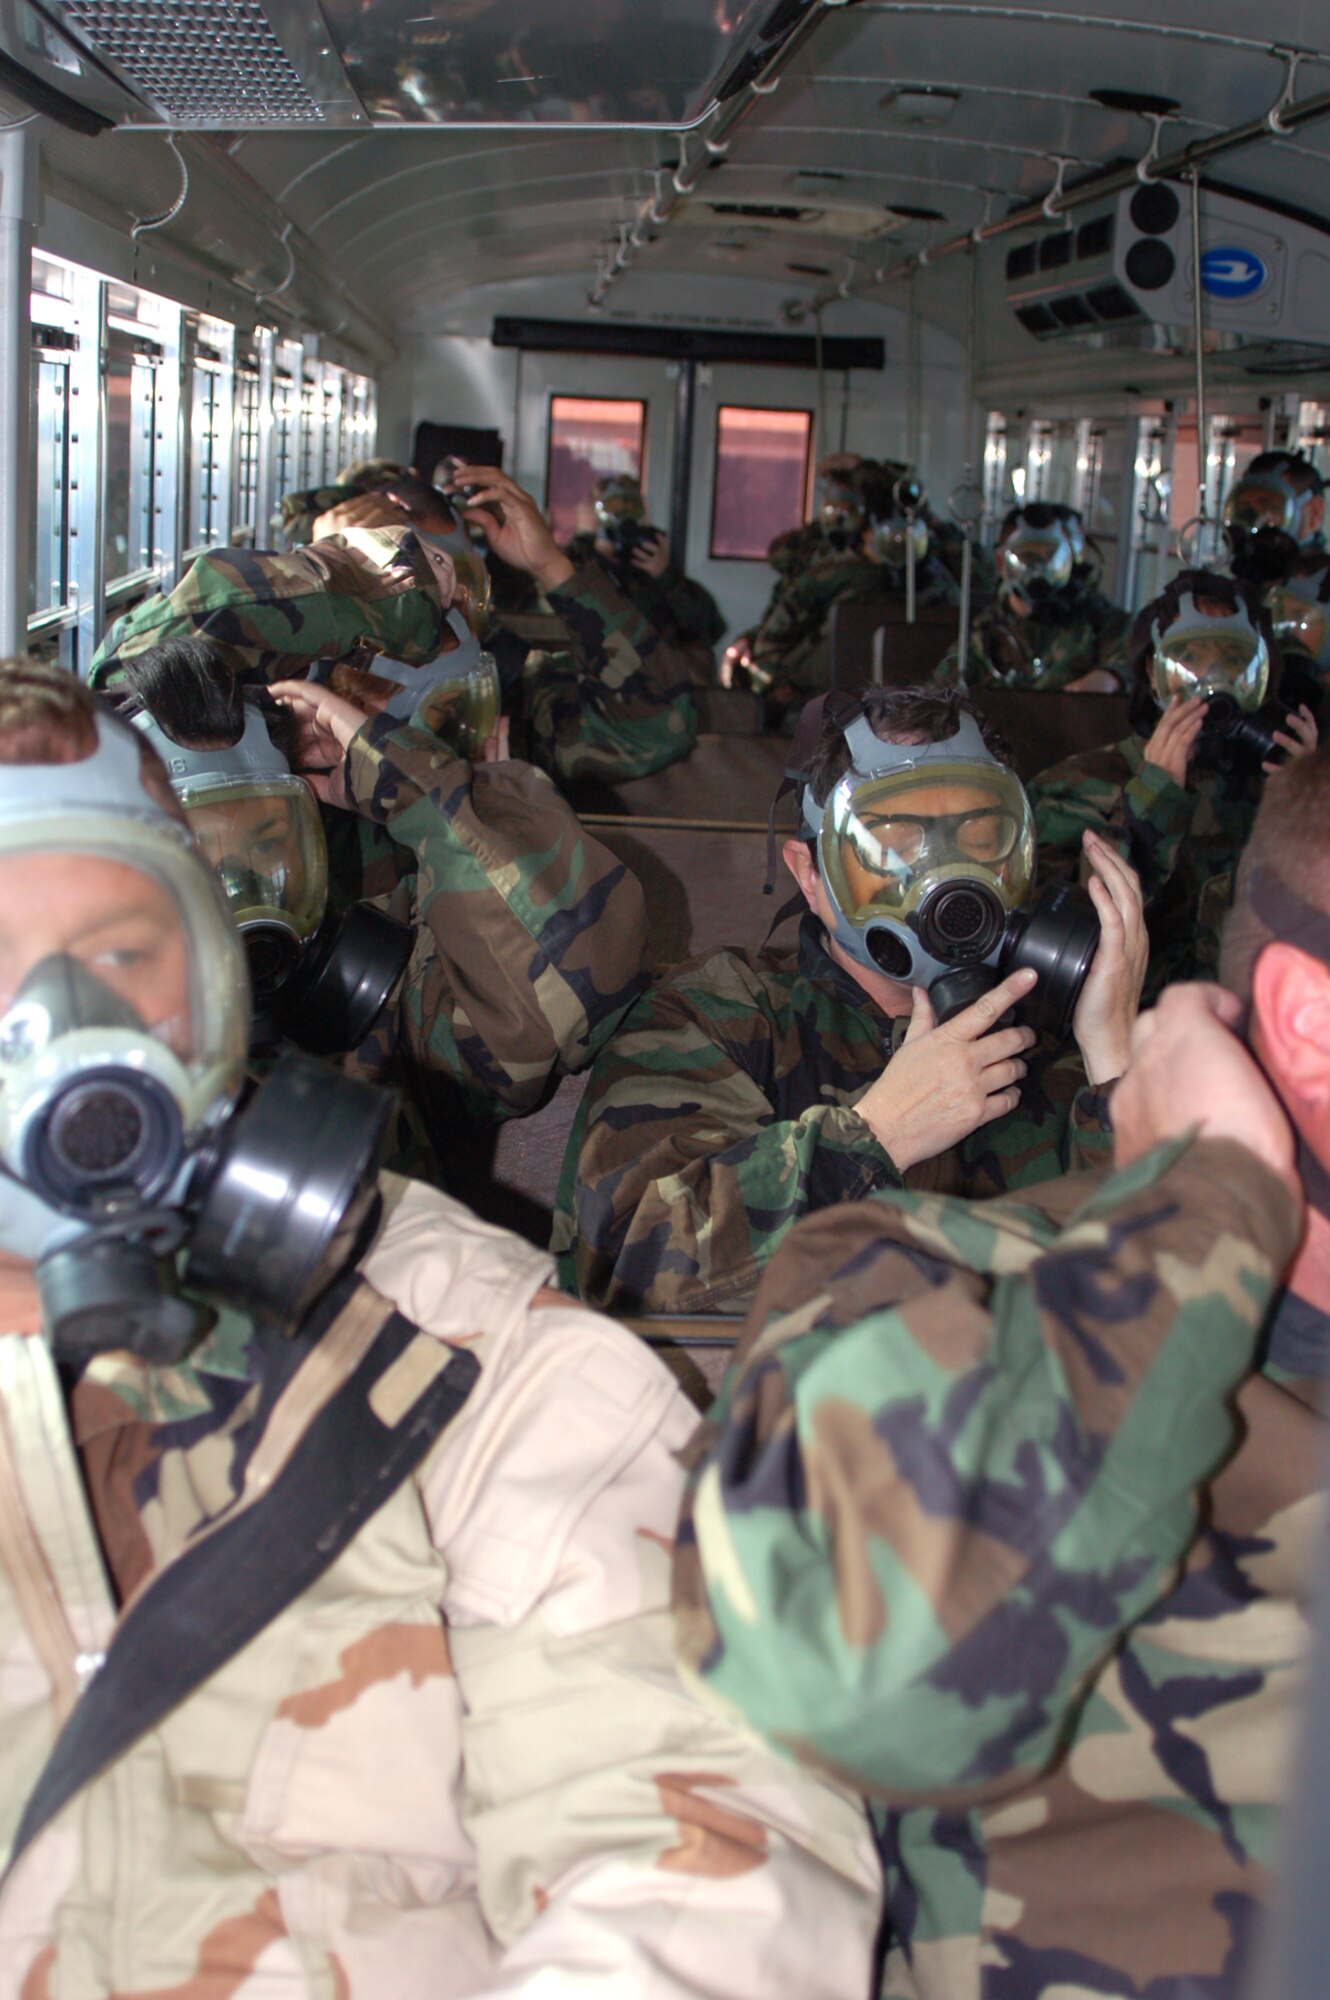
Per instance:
x=496, y=749
x=653, y=556
x=1111, y=995
x=943, y=1083
x=522, y=536
x=1174, y=736
x=1189, y=1072
x=325, y=724
x=736, y=659
x=1299, y=740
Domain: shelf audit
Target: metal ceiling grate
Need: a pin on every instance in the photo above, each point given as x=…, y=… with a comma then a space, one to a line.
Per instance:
x=199, y=61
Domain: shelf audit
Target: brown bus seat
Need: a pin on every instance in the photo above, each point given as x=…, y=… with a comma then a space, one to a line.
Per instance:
x=873, y=643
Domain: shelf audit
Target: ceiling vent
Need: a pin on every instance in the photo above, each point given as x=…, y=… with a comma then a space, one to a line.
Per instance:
x=198, y=61
x=1265, y=275
x=836, y=218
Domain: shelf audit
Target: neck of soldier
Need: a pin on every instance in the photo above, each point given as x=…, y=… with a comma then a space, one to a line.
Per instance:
x=20, y=1306
x=893, y=996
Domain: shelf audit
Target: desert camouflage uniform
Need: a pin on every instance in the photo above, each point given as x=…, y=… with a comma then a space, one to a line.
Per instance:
x=1043, y=653
x=793, y=644
x=616, y=702
x=1183, y=842
x=970, y=1531
x=529, y=934
x=459, y=1761
x=683, y=611
x=722, y=1111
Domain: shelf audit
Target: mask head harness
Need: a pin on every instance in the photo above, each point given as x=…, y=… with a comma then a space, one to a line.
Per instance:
x=926, y=856
x=127, y=1175
x=317, y=978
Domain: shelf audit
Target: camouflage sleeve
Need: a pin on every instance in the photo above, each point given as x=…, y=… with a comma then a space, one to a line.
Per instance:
x=531, y=934
x=618, y=704
x=797, y=616
x=960, y=1454
x=1111, y=643
x=679, y=1182
x=274, y=614
x=1136, y=805
x=1061, y=1125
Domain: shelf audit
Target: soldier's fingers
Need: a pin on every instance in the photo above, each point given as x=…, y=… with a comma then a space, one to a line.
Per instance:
x=1117, y=875
x=999, y=1105
x=1004, y=1043
x=1000, y=1076
x=985, y=1012
x=921, y=1018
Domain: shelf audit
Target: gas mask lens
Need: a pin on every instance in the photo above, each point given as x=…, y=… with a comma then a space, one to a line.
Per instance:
x=462, y=711
x=889, y=841
x=892, y=540
x=1210, y=660
x=1037, y=564
x=122, y=1015
x=264, y=840
x=1255, y=504
x=1298, y=622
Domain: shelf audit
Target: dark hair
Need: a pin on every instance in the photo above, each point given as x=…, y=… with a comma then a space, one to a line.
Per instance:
x=1038, y=514
x=1290, y=841
x=926, y=714
x=1295, y=467
x=194, y=693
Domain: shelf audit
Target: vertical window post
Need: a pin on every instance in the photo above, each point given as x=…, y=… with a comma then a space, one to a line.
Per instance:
x=18, y=197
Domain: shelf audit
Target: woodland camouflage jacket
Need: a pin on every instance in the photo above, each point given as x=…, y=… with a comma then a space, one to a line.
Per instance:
x=614, y=701
x=723, y=1110
x=529, y=934
x=979, y=1526
x=458, y=1761
x=1183, y=842
x=1041, y=652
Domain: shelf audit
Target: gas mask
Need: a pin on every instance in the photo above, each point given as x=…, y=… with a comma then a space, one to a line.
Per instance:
x=1266, y=504
x=1041, y=552
x=456, y=696
x=926, y=852
x=124, y=1162
x=1299, y=610
x=318, y=979
x=621, y=517
x=1223, y=658
x=840, y=515
x=892, y=536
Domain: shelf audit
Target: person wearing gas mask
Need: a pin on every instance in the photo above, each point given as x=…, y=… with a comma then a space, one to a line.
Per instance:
x=1299, y=608
x=433, y=921
x=1216, y=708
x=336, y=1545
x=614, y=701
x=747, y=1089
x=868, y=526
x=1049, y=626
x=640, y=560
x=1272, y=514
x=837, y=525
x=1013, y=1513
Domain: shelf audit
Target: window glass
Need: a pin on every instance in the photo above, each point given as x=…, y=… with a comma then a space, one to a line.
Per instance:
x=286, y=432
x=131, y=382
x=761, y=479
x=48, y=485
x=204, y=455
x=590, y=437
x=247, y=453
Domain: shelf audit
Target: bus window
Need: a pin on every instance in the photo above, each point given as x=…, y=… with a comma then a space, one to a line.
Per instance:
x=590, y=437
x=248, y=447
x=131, y=396
x=48, y=474
x=206, y=471
x=761, y=479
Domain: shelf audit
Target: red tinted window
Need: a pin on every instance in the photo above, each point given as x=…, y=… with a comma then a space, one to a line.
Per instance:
x=761, y=479
x=590, y=437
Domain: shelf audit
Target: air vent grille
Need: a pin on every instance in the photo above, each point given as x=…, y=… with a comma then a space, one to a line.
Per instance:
x=199, y=61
